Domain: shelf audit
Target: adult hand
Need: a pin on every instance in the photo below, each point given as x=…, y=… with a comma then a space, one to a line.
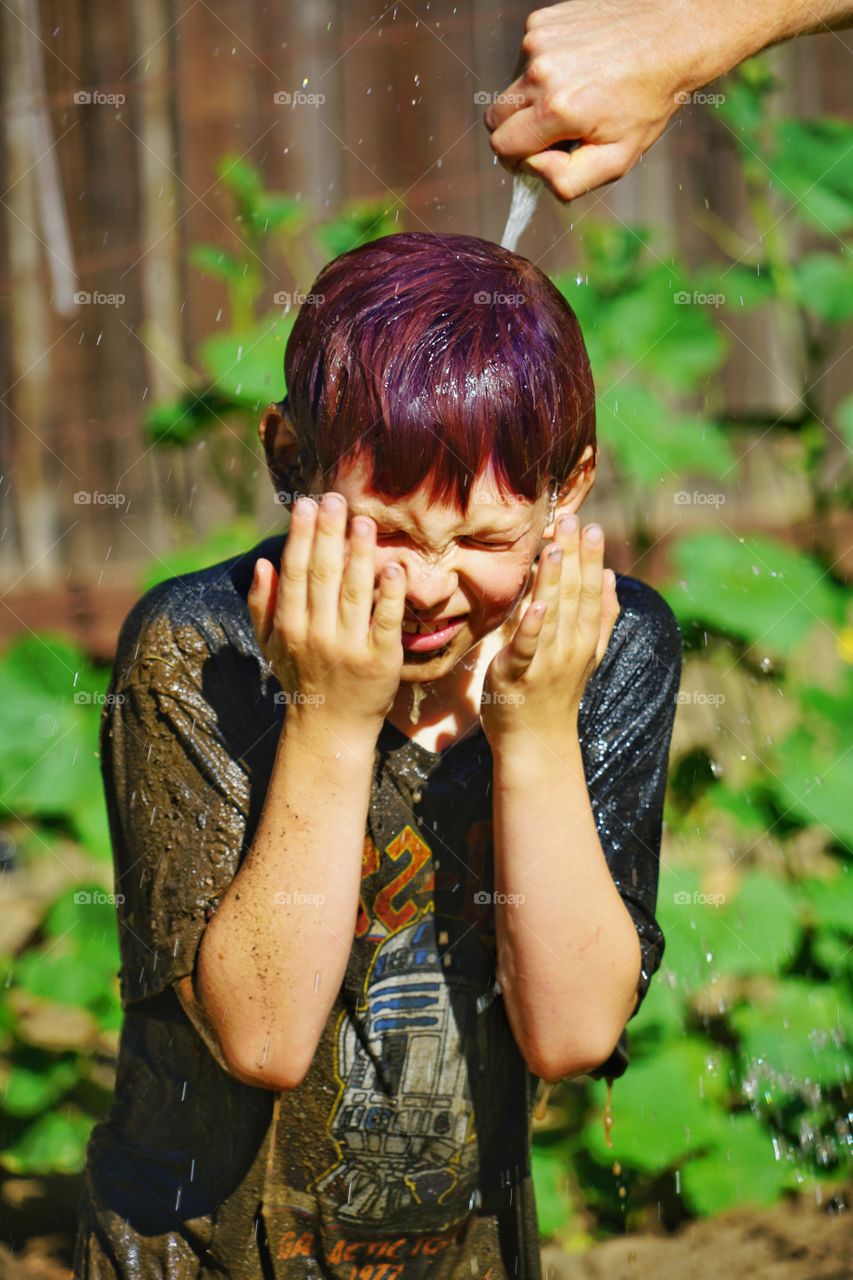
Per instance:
x=535, y=683
x=611, y=74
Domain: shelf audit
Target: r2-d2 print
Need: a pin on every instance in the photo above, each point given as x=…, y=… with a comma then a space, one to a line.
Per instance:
x=405, y=1122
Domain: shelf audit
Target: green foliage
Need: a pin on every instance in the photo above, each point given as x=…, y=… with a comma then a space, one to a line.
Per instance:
x=52, y=698
x=60, y=1009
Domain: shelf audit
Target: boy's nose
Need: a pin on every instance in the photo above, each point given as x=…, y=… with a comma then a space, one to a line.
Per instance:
x=428, y=586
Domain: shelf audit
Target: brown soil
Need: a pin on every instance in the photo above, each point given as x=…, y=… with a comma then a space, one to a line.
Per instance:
x=795, y=1240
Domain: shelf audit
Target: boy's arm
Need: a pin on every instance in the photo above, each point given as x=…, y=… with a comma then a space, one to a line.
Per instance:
x=274, y=955
x=577, y=837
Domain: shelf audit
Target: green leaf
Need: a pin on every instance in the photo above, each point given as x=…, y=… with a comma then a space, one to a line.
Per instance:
x=813, y=167
x=248, y=366
x=653, y=444
x=86, y=916
x=553, y=1206
x=830, y=902
x=664, y=1107
x=52, y=699
x=814, y=780
x=66, y=977
x=741, y=1169
x=824, y=283
x=240, y=177
x=216, y=262
x=37, y=1081
x=802, y=1032
x=360, y=222
x=55, y=1143
x=222, y=543
x=742, y=288
x=705, y=936
x=752, y=588
x=845, y=419
x=274, y=212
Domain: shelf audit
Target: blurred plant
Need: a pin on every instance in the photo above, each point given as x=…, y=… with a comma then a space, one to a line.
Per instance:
x=241, y=368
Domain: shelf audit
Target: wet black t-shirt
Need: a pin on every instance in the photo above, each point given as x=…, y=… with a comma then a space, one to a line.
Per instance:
x=405, y=1151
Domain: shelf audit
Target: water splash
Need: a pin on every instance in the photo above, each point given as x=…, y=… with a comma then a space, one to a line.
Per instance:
x=526, y=189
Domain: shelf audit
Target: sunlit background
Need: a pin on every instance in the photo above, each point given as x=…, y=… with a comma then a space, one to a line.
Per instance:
x=174, y=177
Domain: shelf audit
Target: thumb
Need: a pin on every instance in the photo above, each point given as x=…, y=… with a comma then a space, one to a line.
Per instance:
x=610, y=610
x=573, y=174
x=261, y=599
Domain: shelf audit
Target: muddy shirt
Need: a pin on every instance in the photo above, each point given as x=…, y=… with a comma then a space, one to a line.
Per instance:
x=405, y=1151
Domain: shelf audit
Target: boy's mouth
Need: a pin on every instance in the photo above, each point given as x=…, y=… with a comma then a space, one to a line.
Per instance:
x=429, y=637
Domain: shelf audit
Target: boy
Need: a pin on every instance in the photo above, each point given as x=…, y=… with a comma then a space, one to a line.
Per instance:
x=385, y=799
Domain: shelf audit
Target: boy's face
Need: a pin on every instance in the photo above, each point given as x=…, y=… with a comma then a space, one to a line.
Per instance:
x=470, y=570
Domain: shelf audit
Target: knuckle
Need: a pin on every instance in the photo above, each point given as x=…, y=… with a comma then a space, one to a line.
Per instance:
x=532, y=42
x=557, y=103
x=535, y=18
x=539, y=70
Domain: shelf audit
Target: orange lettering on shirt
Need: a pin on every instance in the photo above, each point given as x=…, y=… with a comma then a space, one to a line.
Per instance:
x=396, y=914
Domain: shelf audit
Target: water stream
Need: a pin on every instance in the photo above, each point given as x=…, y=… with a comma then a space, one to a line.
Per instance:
x=526, y=189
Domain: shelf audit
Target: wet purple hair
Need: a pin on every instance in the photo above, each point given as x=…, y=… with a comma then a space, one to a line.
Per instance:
x=432, y=356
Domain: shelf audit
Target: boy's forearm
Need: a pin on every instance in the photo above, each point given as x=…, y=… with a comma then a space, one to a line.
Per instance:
x=568, y=952
x=274, y=955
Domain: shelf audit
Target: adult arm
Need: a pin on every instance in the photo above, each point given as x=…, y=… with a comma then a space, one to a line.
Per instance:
x=613, y=72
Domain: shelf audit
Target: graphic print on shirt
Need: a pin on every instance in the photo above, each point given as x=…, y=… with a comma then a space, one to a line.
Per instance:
x=405, y=1119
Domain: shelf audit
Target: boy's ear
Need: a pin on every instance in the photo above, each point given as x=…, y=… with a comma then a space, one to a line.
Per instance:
x=574, y=491
x=278, y=440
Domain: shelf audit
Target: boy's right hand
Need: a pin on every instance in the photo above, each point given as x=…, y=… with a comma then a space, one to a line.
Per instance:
x=313, y=620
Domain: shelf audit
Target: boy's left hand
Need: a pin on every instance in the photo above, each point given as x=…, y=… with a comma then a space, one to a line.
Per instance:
x=535, y=683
